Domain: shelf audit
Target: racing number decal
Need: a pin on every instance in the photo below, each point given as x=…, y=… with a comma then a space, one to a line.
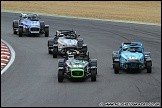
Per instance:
x=132, y=57
x=34, y=23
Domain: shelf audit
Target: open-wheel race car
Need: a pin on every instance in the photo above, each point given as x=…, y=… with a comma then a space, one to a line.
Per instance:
x=30, y=24
x=131, y=55
x=77, y=68
x=65, y=40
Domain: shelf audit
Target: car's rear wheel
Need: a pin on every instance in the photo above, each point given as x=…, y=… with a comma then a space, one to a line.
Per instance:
x=42, y=25
x=113, y=64
x=55, y=52
x=15, y=25
x=20, y=31
x=80, y=42
x=46, y=31
x=49, y=51
x=61, y=63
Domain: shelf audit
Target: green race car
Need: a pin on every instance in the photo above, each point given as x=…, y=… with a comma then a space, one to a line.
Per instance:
x=77, y=68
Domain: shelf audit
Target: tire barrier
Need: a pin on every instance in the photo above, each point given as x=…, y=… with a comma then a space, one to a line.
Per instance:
x=5, y=55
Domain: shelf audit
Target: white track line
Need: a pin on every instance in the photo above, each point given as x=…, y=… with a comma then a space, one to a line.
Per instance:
x=12, y=58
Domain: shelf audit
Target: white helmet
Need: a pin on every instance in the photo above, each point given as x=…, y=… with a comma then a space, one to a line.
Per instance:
x=24, y=16
x=70, y=56
x=125, y=48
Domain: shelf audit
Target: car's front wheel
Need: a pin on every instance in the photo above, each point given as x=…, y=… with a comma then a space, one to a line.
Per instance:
x=93, y=75
x=60, y=76
x=149, y=67
x=116, y=67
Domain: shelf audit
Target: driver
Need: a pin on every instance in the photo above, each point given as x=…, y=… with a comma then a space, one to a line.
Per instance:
x=70, y=57
x=70, y=36
x=34, y=18
x=24, y=16
x=125, y=49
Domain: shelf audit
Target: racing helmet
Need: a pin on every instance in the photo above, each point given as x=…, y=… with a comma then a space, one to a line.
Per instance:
x=70, y=56
x=33, y=17
x=125, y=48
x=24, y=16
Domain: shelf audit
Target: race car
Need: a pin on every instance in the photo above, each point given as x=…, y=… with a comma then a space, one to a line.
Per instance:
x=77, y=68
x=65, y=40
x=131, y=55
x=30, y=24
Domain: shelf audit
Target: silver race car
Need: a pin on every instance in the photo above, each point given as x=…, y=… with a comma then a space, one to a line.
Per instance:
x=64, y=41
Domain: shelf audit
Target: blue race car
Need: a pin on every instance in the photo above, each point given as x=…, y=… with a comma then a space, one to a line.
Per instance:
x=131, y=56
x=30, y=24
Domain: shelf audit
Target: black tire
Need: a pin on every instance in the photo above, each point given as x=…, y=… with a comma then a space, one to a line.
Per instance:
x=61, y=63
x=46, y=32
x=93, y=75
x=93, y=63
x=113, y=64
x=84, y=48
x=15, y=25
x=116, y=67
x=14, y=32
x=49, y=52
x=60, y=76
x=149, y=67
x=42, y=24
x=20, y=31
x=55, y=51
x=80, y=43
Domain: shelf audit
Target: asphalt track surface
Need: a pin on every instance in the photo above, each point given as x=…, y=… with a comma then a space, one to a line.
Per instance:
x=31, y=81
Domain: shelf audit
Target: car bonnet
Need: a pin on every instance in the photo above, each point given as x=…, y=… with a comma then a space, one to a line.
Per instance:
x=68, y=42
x=76, y=63
x=127, y=54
